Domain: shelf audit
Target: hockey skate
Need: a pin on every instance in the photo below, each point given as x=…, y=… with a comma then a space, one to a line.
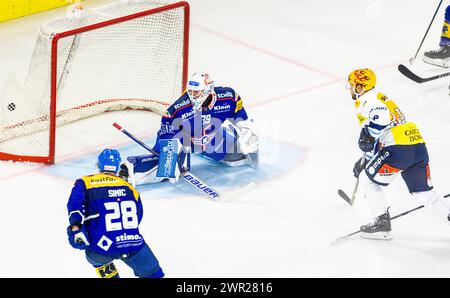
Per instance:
x=379, y=229
x=440, y=57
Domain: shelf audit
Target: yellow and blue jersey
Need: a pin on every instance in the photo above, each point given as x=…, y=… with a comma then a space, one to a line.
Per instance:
x=397, y=117
x=405, y=134
x=110, y=209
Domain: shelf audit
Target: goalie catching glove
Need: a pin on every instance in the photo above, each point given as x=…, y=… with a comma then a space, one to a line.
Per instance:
x=247, y=138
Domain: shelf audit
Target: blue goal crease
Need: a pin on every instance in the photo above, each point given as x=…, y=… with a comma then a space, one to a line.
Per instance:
x=288, y=157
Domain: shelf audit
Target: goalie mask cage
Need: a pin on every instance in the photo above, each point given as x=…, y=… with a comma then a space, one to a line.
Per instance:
x=127, y=55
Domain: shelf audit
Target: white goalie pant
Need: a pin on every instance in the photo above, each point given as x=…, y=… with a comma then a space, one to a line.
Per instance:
x=376, y=198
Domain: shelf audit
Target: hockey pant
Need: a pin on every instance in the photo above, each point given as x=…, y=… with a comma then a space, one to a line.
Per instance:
x=143, y=262
x=412, y=163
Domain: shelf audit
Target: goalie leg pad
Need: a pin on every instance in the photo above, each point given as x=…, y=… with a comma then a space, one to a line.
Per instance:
x=172, y=159
x=143, y=163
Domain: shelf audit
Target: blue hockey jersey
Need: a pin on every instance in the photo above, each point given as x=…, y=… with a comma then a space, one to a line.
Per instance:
x=201, y=127
x=110, y=210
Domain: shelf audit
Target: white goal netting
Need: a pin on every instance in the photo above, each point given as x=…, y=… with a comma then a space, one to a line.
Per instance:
x=112, y=57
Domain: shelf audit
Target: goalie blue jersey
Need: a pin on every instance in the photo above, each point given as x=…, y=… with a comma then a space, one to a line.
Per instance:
x=200, y=128
x=110, y=210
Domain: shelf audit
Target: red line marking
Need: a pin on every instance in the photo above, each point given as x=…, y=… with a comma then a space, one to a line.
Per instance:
x=269, y=100
x=261, y=50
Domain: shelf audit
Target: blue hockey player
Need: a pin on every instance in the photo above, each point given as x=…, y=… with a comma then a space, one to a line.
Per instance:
x=104, y=214
x=207, y=120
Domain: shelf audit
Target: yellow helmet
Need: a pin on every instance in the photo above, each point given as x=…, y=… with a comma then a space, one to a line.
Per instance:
x=364, y=77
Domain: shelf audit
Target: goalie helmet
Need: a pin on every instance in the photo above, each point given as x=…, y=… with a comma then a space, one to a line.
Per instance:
x=363, y=77
x=200, y=86
x=108, y=161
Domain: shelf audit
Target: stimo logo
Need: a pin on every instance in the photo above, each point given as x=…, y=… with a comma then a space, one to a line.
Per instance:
x=213, y=194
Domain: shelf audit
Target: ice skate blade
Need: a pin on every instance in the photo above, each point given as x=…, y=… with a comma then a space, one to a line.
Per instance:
x=376, y=236
x=437, y=62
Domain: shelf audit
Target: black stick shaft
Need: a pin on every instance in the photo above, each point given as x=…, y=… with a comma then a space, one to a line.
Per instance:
x=428, y=29
x=392, y=218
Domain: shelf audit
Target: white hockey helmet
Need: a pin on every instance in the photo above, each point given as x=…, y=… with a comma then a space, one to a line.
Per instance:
x=200, y=86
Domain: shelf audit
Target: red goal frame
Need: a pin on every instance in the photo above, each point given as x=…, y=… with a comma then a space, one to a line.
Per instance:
x=50, y=159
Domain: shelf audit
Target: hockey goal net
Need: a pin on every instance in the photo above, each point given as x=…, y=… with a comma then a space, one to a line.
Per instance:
x=127, y=55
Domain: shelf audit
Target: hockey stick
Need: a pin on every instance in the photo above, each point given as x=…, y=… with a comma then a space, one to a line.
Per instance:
x=411, y=61
x=446, y=196
x=343, y=195
x=191, y=178
x=412, y=76
x=392, y=218
x=188, y=176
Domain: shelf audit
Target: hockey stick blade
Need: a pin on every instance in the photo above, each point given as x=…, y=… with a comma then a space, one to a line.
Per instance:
x=228, y=196
x=446, y=196
x=343, y=195
x=412, y=76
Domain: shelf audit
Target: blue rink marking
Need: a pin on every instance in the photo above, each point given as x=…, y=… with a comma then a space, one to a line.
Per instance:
x=216, y=175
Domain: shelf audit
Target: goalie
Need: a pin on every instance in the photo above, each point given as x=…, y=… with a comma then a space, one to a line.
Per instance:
x=207, y=120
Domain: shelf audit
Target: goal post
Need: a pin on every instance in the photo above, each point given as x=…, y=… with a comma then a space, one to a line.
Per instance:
x=131, y=54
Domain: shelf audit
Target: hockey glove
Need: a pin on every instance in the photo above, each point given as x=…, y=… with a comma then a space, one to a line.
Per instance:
x=360, y=165
x=123, y=172
x=247, y=138
x=366, y=142
x=78, y=238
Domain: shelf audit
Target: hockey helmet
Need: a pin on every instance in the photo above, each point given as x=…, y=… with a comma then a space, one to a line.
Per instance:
x=200, y=86
x=108, y=161
x=363, y=77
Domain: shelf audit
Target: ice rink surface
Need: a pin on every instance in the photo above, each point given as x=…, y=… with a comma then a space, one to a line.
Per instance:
x=289, y=61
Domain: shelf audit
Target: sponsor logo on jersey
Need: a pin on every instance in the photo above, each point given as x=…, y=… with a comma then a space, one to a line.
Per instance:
x=213, y=194
x=238, y=106
x=126, y=240
x=104, y=243
x=166, y=128
x=413, y=135
x=103, y=180
x=188, y=114
x=227, y=94
x=378, y=109
x=377, y=163
x=222, y=108
x=182, y=104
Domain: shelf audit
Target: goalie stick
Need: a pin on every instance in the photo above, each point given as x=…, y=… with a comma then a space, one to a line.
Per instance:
x=412, y=76
x=392, y=218
x=191, y=178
